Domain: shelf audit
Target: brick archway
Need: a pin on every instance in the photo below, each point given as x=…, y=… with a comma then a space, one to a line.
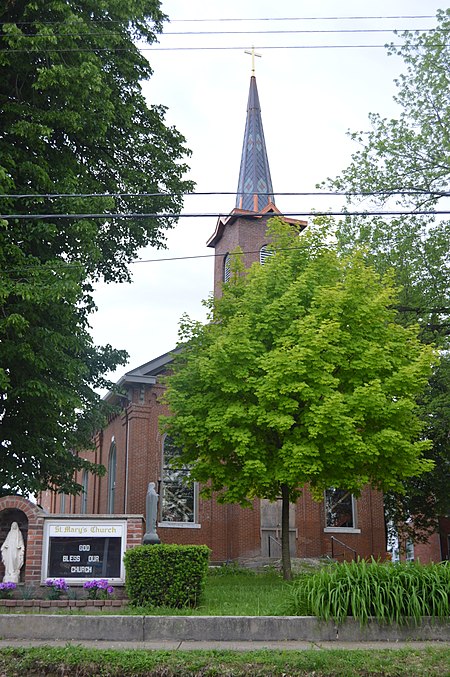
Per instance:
x=14, y=505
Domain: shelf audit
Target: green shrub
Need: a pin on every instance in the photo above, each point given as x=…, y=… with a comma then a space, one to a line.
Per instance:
x=399, y=593
x=166, y=575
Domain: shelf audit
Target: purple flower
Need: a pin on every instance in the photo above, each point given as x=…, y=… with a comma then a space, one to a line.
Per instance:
x=57, y=587
x=57, y=584
x=6, y=589
x=98, y=588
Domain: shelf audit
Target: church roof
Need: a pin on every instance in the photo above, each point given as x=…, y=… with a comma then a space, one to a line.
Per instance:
x=254, y=174
x=269, y=210
x=145, y=374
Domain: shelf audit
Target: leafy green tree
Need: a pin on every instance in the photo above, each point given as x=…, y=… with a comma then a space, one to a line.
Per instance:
x=415, y=510
x=74, y=121
x=404, y=163
x=302, y=376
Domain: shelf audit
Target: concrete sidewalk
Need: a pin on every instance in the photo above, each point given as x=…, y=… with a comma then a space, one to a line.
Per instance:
x=175, y=645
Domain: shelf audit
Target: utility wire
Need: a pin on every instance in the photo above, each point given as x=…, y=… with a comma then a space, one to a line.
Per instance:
x=276, y=18
x=230, y=192
x=306, y=31
x=72, y=264
x=138, y=215
x=247, y=32
x=49, y=50
x=314, y=18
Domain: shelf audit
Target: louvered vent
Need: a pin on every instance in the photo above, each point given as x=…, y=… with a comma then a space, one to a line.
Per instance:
x=226, y=268
x=264, y=254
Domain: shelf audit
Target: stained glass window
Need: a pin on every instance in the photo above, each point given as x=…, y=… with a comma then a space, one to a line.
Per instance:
x=84, y=493
x=112, y=476
x=339, y=509
x=178, y=495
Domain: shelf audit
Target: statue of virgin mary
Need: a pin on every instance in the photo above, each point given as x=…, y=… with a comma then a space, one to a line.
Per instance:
x=13, y=552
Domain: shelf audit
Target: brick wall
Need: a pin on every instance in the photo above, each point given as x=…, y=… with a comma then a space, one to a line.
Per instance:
x=429, y=551
x=230, y=531
x=247, y=233
x=444, y=532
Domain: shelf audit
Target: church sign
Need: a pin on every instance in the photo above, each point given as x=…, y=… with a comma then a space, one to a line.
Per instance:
x=80, y=550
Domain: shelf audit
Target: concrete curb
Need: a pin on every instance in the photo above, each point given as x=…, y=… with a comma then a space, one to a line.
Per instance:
x=211, y=628
x=238, y=628
x=62, y=627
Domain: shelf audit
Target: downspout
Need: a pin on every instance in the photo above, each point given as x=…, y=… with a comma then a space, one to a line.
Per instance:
x=99, y=483
x=127, y=441
x=371, y=520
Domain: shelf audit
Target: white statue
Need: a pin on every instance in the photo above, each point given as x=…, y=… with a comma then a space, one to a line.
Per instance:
x=13, y=551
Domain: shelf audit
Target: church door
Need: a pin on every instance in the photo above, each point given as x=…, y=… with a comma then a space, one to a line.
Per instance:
x=271, y=529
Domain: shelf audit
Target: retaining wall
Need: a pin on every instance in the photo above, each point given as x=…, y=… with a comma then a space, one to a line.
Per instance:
x=211, y=628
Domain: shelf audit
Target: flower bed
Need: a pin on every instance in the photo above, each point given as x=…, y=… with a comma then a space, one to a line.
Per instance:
x=69, y=604
x=57, y=594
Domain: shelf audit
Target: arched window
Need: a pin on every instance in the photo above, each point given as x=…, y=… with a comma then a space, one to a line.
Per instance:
x=112, y=462
x=84, y=493
x=226, y=268
x=178, y=496
x=264, y=253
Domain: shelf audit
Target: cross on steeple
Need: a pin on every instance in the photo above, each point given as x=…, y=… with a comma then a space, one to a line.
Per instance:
x=252, y=54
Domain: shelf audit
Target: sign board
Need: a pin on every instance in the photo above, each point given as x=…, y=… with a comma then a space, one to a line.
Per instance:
x=84, y=550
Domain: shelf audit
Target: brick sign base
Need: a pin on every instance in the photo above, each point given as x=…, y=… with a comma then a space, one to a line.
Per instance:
x=32, y=518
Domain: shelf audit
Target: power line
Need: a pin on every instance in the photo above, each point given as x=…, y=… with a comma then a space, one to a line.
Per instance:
x=211, y=20
x=169, y=258
x=244, y=32
x=49, y=50
x=313, y=18
x=230, y=192
x=154, y=215
x=305, y=31
x=78, y=264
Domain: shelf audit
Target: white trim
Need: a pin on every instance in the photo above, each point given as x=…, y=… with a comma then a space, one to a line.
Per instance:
x=341, y=530
x=179, y=525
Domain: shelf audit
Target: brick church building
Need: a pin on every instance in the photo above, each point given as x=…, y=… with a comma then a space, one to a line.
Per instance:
x=135, y=453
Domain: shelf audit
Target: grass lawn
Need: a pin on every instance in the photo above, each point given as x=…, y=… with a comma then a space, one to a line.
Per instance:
x=237, y=593
x=229, y=592
x=80, y=662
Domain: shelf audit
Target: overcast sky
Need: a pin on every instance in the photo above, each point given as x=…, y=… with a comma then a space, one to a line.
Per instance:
x=309, y=98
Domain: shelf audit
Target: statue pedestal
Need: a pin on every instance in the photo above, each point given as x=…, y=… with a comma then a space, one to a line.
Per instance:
x=151, y=538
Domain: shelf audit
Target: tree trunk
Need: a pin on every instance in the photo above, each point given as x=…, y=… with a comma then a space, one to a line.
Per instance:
x=285, y=550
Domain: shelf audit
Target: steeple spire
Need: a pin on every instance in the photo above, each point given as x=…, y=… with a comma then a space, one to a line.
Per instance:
x=255, y=185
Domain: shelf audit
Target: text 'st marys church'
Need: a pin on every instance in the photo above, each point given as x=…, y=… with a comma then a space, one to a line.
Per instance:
x=135, y=453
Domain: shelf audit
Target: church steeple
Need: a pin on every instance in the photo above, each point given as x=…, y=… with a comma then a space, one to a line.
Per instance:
x=254, y=174
x=245, y=227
